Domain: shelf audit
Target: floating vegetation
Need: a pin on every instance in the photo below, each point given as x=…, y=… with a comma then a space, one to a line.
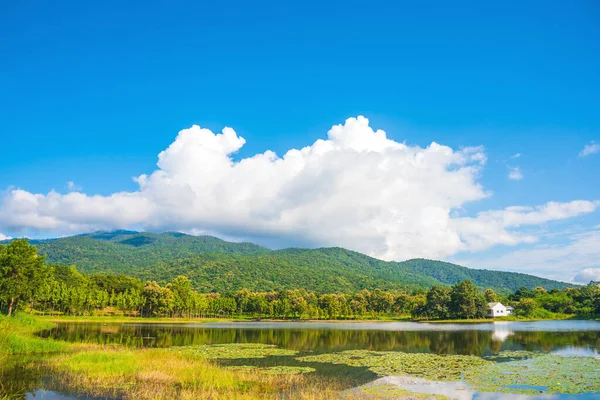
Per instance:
x=235, y=350
x=509, y=355
x=393, y=392
x=526, y=373
x=423, y=365
x=546, y=373
x=288, y=370
x=279, y=370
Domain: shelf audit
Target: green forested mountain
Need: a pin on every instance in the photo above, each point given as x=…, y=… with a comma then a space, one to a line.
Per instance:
x=216, y=265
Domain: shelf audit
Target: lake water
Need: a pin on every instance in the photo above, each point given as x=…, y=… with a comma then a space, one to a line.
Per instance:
x=567, y=338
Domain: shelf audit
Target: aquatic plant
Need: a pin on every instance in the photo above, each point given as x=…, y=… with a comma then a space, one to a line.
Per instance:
x=382, y=392
x=527, y=373
x=423, y=365
x=547, y=373
x=234, y=350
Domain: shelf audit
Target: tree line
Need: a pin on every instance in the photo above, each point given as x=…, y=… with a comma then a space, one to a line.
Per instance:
x=27, y=282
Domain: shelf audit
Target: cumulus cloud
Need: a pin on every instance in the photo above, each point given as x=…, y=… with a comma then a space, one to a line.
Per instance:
x=587, y=275
x=4, y=237
x=516, y=155
x=515, y=174
x=357, y=189
x=590, y=149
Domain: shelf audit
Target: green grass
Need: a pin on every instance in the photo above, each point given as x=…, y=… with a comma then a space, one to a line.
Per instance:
x=139, y=320
x=553, y=317
x=16, y=336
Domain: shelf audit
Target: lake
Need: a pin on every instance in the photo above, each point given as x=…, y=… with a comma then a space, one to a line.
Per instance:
x=485, y=340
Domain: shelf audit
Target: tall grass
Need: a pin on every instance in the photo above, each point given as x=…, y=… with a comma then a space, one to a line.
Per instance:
x=16, y=336
x=163, y=374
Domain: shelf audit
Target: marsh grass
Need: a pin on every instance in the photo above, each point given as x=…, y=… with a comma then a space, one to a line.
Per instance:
x=164, y=374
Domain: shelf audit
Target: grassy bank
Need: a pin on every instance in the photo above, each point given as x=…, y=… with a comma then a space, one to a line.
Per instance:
x=513, y=318
x=139, y=320
x=150, y=320
x=17, y=336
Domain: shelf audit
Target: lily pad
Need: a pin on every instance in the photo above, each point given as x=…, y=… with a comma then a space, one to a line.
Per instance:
x=236, y=350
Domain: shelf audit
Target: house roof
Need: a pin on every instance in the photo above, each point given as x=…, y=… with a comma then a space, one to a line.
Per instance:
x=494, y=304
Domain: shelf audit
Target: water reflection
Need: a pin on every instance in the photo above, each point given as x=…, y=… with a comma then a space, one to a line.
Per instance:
x=480, y=339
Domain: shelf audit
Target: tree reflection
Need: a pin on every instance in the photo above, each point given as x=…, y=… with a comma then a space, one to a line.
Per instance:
x=467, y=342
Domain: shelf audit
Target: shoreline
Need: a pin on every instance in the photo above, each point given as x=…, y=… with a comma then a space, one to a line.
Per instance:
x=142, y=320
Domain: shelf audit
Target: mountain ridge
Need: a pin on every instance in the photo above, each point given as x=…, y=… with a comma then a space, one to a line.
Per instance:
x=214, y=264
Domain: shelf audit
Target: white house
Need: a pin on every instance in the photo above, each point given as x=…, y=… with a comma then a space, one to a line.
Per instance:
x=498, y=310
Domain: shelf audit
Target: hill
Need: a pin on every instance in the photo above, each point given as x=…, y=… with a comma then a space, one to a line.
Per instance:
x=216, y=265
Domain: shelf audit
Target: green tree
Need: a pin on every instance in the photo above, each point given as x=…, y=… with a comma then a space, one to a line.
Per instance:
x=467, y=302
x=526, y=307
x=438, y=303
x=490, y=296
x=182, y=295
x=22, y=271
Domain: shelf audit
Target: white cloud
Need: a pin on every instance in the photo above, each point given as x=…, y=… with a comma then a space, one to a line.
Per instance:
x=515, y=174
x=495, y=227
x=590, y=149
x=516, y=155
x=356, y=189
x=73, y=187
x=554, y=261
x=4, y=237
x=586, y=275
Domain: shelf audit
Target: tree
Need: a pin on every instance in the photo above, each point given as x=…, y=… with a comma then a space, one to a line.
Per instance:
x=438, y=303
x=526, y=307
x=157, y=300
x=182, y=294
x=22, y=271
x=490, y=296
x=467, y=302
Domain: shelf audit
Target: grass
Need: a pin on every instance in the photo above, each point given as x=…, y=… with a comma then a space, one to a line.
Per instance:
x=16, y=336
x=139, y=320
x=555, y=317
x=164, y=374
x=163, y=320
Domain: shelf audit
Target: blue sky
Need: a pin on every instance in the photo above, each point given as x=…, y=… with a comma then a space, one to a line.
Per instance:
x=94, y=92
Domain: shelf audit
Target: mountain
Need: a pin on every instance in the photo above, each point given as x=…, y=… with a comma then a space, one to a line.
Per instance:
x=216, y=265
